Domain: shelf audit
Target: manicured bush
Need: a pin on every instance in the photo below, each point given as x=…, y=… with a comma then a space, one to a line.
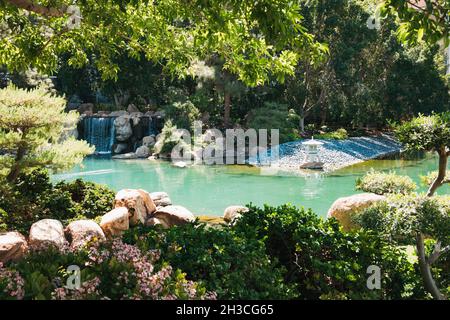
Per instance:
x=385, y=183
x=111, y=270
x=34, y=197
x=232, y=266
x=324, y=262
x=400, y=219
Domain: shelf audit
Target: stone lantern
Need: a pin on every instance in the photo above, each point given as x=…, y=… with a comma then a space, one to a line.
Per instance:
x=312, y=159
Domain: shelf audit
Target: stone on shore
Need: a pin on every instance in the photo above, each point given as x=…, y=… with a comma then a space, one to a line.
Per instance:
x=344, y=209
x=138, y=202
x=115, y=222
x=47, y=232
x=160, y=199
x=13, y=246
x=234, y=212
x=171, y=216
x=143, y=152
x=82, y=231
x=125, y=156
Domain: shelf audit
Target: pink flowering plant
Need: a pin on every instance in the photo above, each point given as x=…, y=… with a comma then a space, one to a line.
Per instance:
x=11, y=284
x=110, y=270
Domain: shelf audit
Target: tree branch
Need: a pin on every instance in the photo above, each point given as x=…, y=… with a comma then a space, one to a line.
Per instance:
x=46, y=11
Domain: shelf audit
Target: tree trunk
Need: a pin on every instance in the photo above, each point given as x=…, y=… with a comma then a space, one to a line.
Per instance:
x=227, y=109
x=425, y=270
x=15, y=169
x=443, y=156
x=302, y=124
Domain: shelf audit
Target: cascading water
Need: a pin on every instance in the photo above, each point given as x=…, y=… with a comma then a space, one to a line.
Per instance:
x=99, y=132
x=152, y=126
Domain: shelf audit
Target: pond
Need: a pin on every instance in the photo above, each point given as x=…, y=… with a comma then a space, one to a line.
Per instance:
x=208, y=190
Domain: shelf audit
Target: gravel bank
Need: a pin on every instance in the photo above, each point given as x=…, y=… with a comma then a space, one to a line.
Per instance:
x=336, y=154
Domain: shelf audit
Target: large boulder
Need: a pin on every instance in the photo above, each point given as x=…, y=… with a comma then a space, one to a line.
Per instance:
x=115, y=222
x=138, y=202
x=82, y=231
x=47, y=232
x=171, y=216
x=343, y=209
x=123, y=128
x=149, y=141
x=143, y=152
x=233, y=212
x=13, y=246
x=160, y=199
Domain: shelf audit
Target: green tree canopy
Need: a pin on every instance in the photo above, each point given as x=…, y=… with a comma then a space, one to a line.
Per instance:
x=32, y=128
x=256, y=39
x=427, y=20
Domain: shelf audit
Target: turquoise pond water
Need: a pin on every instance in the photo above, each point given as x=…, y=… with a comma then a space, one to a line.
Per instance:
x=210, y=189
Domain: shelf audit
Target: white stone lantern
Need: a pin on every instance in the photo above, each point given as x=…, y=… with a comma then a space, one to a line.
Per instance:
x=312, y=159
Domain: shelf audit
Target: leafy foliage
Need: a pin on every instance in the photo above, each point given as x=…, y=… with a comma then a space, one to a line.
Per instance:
x=324, y=262
x=425, y=133
x=426, y=21
x=402, y=216
x=232, y=266
x=255, y=39
x=385, y=183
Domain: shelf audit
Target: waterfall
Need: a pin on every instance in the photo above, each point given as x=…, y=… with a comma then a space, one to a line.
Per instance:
x=152, y=126
x=99, y=132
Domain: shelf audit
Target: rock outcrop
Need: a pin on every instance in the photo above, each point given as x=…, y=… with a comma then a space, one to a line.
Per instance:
x=138, y=202
x=13, y=246
x=160, y=199
x=233, y=212
x=123, y=128
x=115, y=222
x=171, y=216
x=343, y=209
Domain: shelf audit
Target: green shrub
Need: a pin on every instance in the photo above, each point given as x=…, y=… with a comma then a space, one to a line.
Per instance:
x=275, y=115
x=324, y=262
x=183, y=114
x=168, y=139
x=34, y=197
x=339, y=134
x=110, y=270
x=232, y=266
x=385, y=183
x=90, y=199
